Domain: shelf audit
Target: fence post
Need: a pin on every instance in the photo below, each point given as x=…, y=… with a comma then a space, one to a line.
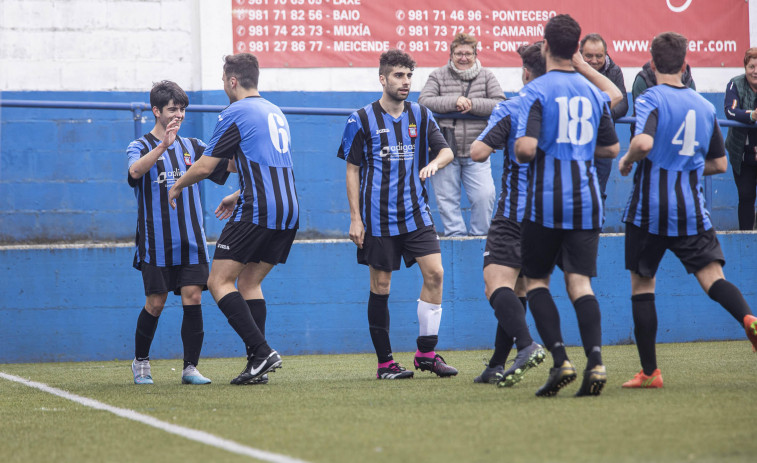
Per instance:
x=136, y=109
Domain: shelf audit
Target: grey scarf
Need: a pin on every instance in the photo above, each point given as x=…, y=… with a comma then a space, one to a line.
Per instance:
x=468, y=74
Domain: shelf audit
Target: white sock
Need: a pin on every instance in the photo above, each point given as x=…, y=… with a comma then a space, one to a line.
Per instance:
x=429, y=318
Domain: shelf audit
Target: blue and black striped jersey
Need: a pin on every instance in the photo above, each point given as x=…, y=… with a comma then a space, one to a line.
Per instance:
x=500, y=134
x=255, y=132
x=166, y=236
x=667, y=196
x=391, y=153
x=569, y=117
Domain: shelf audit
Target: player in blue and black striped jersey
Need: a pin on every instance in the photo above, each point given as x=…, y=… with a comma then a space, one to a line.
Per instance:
x=502, y=257
x=171, y=250
x=564, y=122
x=391, y=147
x=264, y=211
x=677, y=140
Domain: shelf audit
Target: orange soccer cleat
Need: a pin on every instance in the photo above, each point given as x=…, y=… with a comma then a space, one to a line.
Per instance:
x=640, y=380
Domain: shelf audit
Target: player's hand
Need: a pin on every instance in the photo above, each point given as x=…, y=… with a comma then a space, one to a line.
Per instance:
x=357, y=232
x=429, y=170
x=463, y=104
x=624, y=165
x=171, y=130
x=226, y=207
x=173, y=193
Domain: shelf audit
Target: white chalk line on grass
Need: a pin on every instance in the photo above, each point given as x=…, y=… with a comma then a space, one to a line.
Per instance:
x=187, y=433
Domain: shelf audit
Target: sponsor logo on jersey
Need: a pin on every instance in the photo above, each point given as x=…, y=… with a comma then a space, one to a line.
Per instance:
x=382, y=131
x=412, y=130
x=222, y=246
x=351, y=120
x=168, y=177
x=397, y=152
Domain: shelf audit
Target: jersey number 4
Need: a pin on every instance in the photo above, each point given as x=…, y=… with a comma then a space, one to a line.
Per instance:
x=689, y=130
x=574, y=115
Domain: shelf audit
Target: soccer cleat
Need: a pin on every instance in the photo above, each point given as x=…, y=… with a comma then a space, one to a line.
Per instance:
x=594, y=380
x=640, y=380
x=256, y=368
x=190, y=375
x=393, y=371
x=141, y=371
x=434, y=365
x=559, y=377
x=750, y=325
x=527, y=358
x=490, y=375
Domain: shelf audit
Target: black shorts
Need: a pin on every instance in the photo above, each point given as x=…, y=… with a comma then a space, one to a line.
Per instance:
x=575, y=251
x=246, y=242
x=503, y=243
x=161, y=280
x=384, y=252
x=644, y=250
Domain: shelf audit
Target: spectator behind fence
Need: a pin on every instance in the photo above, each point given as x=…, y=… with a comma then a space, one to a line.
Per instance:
x=462, y=85
x=594, y=50
x=741, y=143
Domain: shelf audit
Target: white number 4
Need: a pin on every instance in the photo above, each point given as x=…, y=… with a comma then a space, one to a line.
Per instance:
x=689, y=129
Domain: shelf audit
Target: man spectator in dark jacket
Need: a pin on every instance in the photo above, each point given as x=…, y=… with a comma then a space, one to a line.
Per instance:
x=594, y=50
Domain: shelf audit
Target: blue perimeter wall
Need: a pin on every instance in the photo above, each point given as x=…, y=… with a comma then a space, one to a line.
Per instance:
x=62, y=178
x=63, y=171
x=81, y=303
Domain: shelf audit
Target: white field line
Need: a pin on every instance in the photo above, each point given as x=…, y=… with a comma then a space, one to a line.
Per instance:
x=187, y=433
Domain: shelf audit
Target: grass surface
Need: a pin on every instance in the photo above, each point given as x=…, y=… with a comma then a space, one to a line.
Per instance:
x=330, y=408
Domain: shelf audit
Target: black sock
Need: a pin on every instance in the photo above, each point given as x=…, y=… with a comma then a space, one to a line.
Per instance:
x=510, y=314
x=503, y=343
x=238, y=314
x=645, y=330
x=378, y=324
x=590, y=327
x=146, y=326
x=524, y=301
x=427, y=343
x=547, y=320
x=258, y=312
x=192, y=334
x=728, y=295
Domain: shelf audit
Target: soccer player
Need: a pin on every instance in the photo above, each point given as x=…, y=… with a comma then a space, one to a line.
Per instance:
x=171, y=250
x=260, y=233
x=502, y=258
x=677, y=141
x=391, y=147
x=564, y=122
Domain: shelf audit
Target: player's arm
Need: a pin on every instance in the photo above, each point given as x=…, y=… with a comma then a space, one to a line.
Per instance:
x=145, y=163
x=715, y=162
x=640, y=147
x=493, y=137
x=529, y=129
x=596, y=78
x=480, y=151
x=437, y=144
x=198, y=171
x=357, y=229
x=226, y=206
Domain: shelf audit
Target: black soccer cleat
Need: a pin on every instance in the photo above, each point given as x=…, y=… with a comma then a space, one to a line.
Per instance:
x=257, y=368
x=393, y=371
x=558, y=378
x=594, y=380
x=434, y=365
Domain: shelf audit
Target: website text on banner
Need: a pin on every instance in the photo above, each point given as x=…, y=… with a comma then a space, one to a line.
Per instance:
x=351, y=33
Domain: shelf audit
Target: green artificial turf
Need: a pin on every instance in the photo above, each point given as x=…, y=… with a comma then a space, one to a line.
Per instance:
x=330, y=408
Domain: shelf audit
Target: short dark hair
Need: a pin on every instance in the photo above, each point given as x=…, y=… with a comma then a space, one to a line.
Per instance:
x=594, y=37
x=669, y=52
x=533, y=59
x=392, y=58
x=243, y=66
x=164, y=91
x=562, y=34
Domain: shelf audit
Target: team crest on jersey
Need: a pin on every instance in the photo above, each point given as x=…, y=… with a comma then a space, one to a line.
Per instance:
x=187, y=159
x=412, y=130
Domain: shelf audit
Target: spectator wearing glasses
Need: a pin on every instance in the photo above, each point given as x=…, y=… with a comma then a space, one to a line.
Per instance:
x=463, y=86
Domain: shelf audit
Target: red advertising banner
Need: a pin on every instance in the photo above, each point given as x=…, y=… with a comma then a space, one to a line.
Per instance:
x=352, y=33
